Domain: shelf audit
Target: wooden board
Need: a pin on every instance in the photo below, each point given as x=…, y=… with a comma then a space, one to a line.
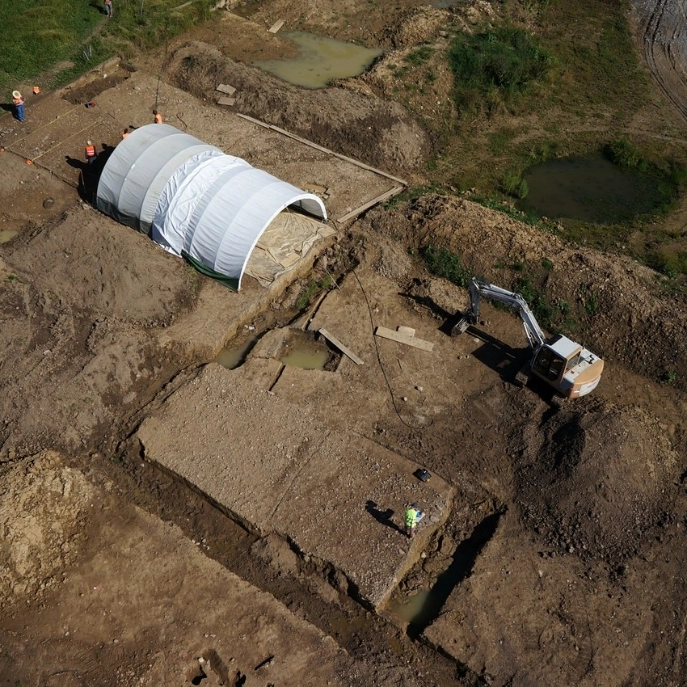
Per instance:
x=341, y=347
x=226, y=101
x=305, y=141
x=224, y=88
x=375, y=201
x=408, y=331
x=404, y=338
x=276, y=26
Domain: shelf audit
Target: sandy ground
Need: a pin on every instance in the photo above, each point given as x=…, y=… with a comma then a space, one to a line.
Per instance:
x=562, y=558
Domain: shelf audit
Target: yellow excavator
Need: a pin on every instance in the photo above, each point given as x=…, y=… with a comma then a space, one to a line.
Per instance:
x=570, y=369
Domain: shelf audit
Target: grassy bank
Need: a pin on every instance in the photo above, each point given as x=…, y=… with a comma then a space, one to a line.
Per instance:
x=61, y=39
x=548, y=79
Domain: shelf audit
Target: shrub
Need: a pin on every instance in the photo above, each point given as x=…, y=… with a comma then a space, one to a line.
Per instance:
x=624, y=153
x=419, y=56
x=446, y=264
x=496, y=66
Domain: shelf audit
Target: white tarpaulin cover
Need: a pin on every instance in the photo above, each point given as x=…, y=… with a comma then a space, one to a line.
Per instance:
x=192, y=198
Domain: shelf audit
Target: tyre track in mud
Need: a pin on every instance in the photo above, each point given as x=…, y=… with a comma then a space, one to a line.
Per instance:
x=663, y=31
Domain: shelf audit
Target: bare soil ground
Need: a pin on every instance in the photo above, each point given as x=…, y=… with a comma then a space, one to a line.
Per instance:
x=565, y=545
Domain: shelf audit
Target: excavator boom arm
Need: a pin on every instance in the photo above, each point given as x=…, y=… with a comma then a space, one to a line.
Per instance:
x=482, y=289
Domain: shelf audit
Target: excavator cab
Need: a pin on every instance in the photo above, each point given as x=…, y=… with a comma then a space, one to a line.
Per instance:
x=568, y=367
x=548, y=364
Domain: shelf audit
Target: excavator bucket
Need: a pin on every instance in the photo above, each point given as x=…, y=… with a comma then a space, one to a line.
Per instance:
x=460, y=326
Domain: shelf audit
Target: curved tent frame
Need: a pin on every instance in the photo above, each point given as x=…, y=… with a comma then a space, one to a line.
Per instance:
x=193, y=199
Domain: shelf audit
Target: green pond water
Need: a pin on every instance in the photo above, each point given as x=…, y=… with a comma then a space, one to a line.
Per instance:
x=320, y=61
x=590, y=189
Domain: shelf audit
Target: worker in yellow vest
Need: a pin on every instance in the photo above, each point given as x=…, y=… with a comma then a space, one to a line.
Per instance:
x=90, y=152
x=413, y=515
x=157, y=117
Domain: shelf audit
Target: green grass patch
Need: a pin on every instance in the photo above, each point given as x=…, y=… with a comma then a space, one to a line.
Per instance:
x=313, y=288
x=492, y=69
x=38, y=34
x=597, y=62
x=418, y=57
x=446, y=264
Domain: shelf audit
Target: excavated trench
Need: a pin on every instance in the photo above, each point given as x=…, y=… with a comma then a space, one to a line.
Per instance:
x=307, y=586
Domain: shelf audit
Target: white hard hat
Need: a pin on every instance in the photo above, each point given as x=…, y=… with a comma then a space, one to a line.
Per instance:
x=16, y=94
x=88, y=143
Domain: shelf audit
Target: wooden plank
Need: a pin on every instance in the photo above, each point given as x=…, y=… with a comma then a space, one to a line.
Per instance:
x=226, y=101
x=225, y=88
x=276, y=26
x=370, y=203
x=404, y=338
x=362, y=165
x=408, y=331
x=341, y=347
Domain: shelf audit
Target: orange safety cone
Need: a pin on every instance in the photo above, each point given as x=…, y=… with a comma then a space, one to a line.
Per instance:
x=36, y=90
x=28, y=162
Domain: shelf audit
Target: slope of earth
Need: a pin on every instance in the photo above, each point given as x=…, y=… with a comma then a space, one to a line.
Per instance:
x=81, y=300
x=624, y=311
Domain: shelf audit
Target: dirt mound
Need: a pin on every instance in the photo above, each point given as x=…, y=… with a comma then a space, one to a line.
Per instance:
x=594, y=482
x=81, y=300
x=376, y=131
x=43, y=508
x=619, y=308
x=414, y=27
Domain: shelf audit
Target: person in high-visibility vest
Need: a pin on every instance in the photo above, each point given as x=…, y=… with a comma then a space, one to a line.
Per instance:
x=90, y=152
x=157, y=117
x=413, y=515
x=18, y=104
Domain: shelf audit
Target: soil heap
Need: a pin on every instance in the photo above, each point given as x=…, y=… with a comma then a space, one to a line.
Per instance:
x=594, y=482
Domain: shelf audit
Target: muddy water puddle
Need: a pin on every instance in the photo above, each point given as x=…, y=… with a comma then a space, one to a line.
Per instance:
x=232, y=356
x=419, y=609
x=306, y=358
x=320, y=61
x=6, y=235
x=590, y=189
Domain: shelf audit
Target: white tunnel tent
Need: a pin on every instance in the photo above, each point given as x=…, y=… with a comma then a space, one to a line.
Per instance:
x=199, y=203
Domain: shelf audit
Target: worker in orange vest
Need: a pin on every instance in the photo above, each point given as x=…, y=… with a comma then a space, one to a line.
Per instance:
x=157, y=117
x=18, y=104
x=90, y=152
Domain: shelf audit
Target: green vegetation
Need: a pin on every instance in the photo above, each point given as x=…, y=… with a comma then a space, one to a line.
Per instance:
x=313, y=288
x=36, y=35
x=446, y=264
x=514, y=185
x=495, y=67
x=554, y=316
x=419, y=57
x=669, y=377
